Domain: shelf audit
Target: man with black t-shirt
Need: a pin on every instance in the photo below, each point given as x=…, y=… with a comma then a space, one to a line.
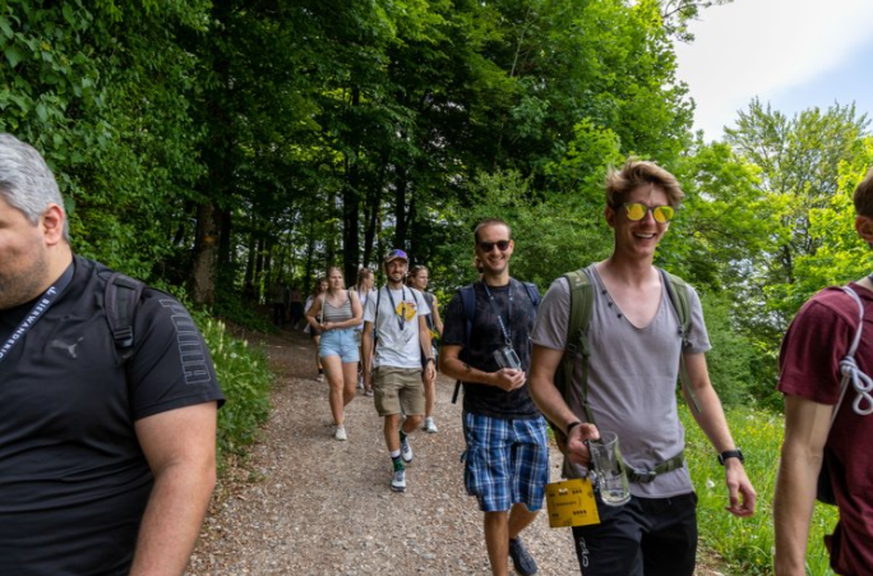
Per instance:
x=106, y=465
x=507, y=447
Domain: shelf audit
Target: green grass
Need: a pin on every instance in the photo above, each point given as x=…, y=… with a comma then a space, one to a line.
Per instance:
x=245, y=379
x=747, y=544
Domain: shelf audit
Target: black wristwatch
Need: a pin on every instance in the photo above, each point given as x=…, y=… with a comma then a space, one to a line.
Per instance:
x=731, y=454
x=426, y=360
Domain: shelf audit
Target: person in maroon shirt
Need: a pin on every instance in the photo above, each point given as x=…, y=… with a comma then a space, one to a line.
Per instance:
x=810, y=377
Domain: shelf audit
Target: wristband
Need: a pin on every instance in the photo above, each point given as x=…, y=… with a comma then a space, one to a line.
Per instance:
x=572, y=425
x=429, y=360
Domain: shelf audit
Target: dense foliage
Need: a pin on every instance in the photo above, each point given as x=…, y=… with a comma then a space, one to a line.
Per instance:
x=225, y=145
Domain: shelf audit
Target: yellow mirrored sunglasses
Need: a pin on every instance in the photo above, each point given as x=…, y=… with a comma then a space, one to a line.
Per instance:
x=637, y=211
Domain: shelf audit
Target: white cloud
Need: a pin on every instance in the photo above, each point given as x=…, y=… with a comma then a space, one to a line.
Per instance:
x=763, y=47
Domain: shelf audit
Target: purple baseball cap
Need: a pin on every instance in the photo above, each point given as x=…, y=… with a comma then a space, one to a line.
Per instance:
x=395, y=254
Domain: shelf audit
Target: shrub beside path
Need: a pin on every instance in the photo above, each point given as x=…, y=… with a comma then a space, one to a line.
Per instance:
x=305, y=504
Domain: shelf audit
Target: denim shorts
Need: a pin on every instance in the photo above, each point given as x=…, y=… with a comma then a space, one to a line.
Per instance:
x=507, y=461
x=339, y=342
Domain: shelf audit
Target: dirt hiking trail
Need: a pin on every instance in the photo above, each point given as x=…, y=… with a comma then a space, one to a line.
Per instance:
x=306, y=504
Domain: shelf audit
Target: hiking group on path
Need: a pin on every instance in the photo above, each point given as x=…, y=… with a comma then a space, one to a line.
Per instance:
x=599, y=358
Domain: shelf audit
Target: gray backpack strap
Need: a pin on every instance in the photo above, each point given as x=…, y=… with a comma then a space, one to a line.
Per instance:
x=577, y=347
x=677, y=289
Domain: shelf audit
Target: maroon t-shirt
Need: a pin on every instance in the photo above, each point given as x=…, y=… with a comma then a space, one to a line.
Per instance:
x=817, y=339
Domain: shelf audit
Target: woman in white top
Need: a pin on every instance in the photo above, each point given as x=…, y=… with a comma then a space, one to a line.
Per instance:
x=418, y=278
x=363, y=288
x=336, y=314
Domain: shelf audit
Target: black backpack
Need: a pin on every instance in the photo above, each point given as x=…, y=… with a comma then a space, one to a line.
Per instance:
x=121, y=297
x=468, y=306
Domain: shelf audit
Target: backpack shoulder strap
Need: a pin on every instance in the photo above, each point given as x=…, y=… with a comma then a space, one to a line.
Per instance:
x=852, y=374
x=376, y=314
x=468, y=311
x=534, y=293
x=581, y=308
x=678, y=292
x=121, y=297
x=468, y=306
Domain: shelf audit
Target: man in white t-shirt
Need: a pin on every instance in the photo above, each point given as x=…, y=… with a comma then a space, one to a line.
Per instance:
x=394, y=367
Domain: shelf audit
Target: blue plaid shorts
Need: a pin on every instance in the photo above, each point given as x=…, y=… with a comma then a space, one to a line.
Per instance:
x=507, y=461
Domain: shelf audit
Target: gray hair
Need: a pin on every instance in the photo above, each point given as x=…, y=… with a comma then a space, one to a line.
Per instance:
x=26, y=182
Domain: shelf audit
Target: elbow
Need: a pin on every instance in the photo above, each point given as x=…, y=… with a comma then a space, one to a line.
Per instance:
x=443, y=364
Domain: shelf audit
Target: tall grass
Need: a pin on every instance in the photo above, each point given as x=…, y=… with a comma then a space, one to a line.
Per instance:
x=245, y=380
x=747, y=544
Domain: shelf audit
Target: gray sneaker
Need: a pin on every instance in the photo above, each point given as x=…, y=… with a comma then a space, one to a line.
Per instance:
x=398, y=482
x=522, y=560
x=406, y=450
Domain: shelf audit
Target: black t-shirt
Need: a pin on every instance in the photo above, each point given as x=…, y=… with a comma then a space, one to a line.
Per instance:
x=486, y=337
x=73, y=479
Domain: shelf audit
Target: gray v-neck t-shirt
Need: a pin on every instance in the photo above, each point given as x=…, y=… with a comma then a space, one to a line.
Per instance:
x=632, y=378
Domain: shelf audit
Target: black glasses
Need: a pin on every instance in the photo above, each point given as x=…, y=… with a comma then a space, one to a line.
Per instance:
x=502, y=245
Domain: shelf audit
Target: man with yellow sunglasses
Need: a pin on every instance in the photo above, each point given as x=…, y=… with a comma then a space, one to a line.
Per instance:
x=634, y=342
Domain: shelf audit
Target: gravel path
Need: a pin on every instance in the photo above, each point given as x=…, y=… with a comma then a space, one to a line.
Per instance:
x=305, y=504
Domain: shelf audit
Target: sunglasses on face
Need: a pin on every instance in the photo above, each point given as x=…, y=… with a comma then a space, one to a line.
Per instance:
x=636, y=211
x=502, y=245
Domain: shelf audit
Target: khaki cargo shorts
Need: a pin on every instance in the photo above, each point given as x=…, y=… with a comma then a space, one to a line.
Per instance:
x=397, y=389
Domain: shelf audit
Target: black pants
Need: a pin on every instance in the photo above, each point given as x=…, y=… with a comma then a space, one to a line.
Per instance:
x=645, y=537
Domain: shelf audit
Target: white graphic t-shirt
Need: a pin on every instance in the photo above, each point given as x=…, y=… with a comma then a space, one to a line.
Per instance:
x=396, y=328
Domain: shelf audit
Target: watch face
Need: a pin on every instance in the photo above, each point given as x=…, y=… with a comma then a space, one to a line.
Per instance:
x=731, y=454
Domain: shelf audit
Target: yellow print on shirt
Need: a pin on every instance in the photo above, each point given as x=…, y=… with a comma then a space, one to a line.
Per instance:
x=406, y=310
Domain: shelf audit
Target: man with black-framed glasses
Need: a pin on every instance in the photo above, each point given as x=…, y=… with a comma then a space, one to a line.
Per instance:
x=616, y=353
x=486, y=346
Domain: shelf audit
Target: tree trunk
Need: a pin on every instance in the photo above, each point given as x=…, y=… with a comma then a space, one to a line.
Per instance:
x=400, y=216
x=351, y=221
x=374, y=203
x=205, y=254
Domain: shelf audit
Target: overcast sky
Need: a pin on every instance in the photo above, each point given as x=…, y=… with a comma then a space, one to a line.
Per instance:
x=795, y=54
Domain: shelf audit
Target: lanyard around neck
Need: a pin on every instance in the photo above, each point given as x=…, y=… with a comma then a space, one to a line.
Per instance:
x=42, y=304
x=401, y=318
x=507, y=335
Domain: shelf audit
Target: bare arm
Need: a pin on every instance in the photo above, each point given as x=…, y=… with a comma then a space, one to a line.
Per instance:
x=712, y=421
x=312, y=313
x=180, y=448
x=426, y=348
x=452, y=366
x=367, y=353
x=807, y=424
x=437, y=321
x=544, y=364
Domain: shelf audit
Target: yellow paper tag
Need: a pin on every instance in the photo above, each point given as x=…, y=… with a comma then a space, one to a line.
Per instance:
x=571, y=503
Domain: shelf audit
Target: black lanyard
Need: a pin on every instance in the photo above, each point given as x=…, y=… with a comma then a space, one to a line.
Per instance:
x=507, y=335
x=401, y=318
x=42, y=304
